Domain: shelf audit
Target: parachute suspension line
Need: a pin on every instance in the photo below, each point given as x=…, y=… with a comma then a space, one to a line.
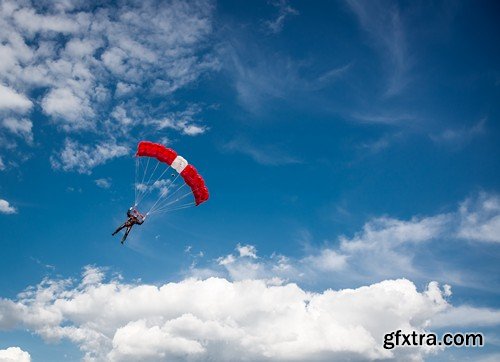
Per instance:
x=168, y=196
x=180, y=207
x=142, y=182
x=150, y=187
x=138, y=185
x=135, y=181
x=139, y=170
x=174, y=201
x=147, y=183
x=165, y=206
x=161, y=207
x=159, y=198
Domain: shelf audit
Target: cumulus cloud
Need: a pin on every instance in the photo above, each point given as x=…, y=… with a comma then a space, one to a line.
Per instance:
x=247, y=251
x=217, y=319
x=12, y=100
x=64, y=103
x=83, y=158
x=76, y=59
x=19, y=127
x=14, y=354
x=388, y=245
x=385, y=247
x=6, y=207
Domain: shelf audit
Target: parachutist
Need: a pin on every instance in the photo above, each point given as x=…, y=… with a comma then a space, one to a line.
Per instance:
x=134, y=217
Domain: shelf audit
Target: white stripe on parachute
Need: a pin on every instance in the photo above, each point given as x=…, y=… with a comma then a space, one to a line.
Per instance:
x=179, y=164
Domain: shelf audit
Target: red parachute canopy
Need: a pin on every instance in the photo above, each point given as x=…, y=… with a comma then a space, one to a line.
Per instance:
x=167, y=155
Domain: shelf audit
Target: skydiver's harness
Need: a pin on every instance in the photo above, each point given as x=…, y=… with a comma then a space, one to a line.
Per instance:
x=134, y=214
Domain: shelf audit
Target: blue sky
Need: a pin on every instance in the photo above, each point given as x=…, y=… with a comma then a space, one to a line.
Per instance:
x=346, y=145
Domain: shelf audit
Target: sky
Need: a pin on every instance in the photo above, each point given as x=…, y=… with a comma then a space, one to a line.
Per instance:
x=351, y=151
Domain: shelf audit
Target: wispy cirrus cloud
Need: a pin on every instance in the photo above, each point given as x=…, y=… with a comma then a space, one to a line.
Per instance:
x=269, y=155
x=261, y=77
x=396, y=119
x=285, y=10
x=384, y=24
x=458, y=136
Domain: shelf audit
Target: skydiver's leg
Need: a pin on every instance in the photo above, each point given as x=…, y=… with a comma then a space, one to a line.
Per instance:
x=126, y=233
x=119, y=228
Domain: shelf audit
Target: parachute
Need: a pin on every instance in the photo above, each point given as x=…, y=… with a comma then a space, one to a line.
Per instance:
x=164, y=193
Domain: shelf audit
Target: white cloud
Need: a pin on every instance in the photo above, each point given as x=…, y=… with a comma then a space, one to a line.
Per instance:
x=489, y=357
x=247, y=251
x=14, y=354
x=461, y=135
x=327, y=260
x=6, y=208
x=64, y=103
x=184, y=121
x=83, y=158
x=261, y=78
x=387, y=233
x=480, y=218
x=20, y=127
x=32, y=22
x=123, y=89
x=2, y=164
x=76, y=60
x=467, y=316
x=104, y=183
x=385, y=26
x=120, y=114
x=216, y=319
x=380, y=118
x=228, y=259
x=385, y=248
x=12, y=100
x=284, y=10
